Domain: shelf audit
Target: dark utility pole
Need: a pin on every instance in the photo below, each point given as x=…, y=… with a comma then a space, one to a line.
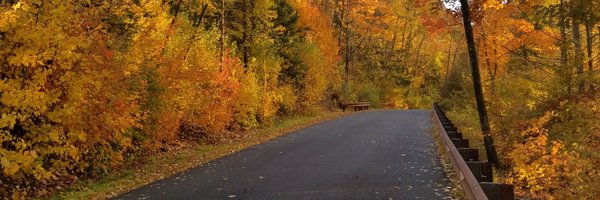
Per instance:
x=483, y=119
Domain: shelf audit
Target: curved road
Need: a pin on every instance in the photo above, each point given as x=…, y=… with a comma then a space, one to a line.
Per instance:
x=368, y=155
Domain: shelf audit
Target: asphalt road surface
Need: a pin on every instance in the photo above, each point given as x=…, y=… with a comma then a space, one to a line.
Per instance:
x=367, y=155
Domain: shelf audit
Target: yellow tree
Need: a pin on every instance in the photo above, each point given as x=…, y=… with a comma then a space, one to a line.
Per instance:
x=65, y=104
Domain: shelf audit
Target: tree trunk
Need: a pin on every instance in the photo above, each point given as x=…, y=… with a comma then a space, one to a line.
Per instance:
x=495, y=69
x=198, y=21
x=492, y=156
x=486, y=55
x=417, y=57
x=563, y=34
x=393, y=45
x=418, y=67
x=222, y=38
x=449, y=57
x=390, y=51
x=563, y=45
x=403, y=44
x=590, y=54
x=342, y=26
x=245, y=33
x=348, y=56
x=176, y=12
x=455, y=54
x=578, y=53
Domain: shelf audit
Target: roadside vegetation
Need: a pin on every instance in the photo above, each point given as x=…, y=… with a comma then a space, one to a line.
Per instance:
x=93, y=88
x=90, y=90
x=539, y=64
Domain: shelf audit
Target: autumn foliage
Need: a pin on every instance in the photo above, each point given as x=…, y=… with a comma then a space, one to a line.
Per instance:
x=87, y=87
x=539, y=62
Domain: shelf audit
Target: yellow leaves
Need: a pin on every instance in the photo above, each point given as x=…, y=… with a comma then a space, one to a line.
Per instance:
x=86, y=85
x=546, y=3
x=17, y=5
x=54, y=136
x=56, y=91
x=543, y=167
x=247, y=102
x=289, y=99
x=13, y=162
x=41, y=174
x=10, y=168
x=8, y=120
x=73, y=152
x=493, y=4
x=7, y=19
x=317, y=78
x=396, y=100
x=28, y=97
x=522, y=26
x=269, y=104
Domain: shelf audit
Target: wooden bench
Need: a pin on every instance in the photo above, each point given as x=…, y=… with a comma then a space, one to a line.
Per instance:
x=358, y=106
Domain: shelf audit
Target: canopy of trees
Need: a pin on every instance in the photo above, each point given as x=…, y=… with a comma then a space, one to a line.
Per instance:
x=87, y=86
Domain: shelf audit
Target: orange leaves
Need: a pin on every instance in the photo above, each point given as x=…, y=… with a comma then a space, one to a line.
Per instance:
x=321, y=31
x=434, y=25
x=501, y=36
x=229, y=85
x=421, y=3
x=85, y=85
x=217, y=111
x=319, y=54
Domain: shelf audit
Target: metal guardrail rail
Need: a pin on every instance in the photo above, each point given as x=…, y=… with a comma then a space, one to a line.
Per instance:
x=475, y=176
x=467, y=180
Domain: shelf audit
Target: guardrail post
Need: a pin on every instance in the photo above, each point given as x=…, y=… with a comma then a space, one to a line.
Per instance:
x=460, y=143
x=469, y=154
x=454, y=134
x=482, y=171
x=497, y=191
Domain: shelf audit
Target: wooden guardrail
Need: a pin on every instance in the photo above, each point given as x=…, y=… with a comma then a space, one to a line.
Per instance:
x=475, y=176
x=358, y=106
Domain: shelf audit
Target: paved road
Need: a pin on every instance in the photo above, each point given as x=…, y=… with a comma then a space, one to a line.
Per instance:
x=368, y=155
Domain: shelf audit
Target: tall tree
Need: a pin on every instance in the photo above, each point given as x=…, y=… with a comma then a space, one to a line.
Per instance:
x=483, y=118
